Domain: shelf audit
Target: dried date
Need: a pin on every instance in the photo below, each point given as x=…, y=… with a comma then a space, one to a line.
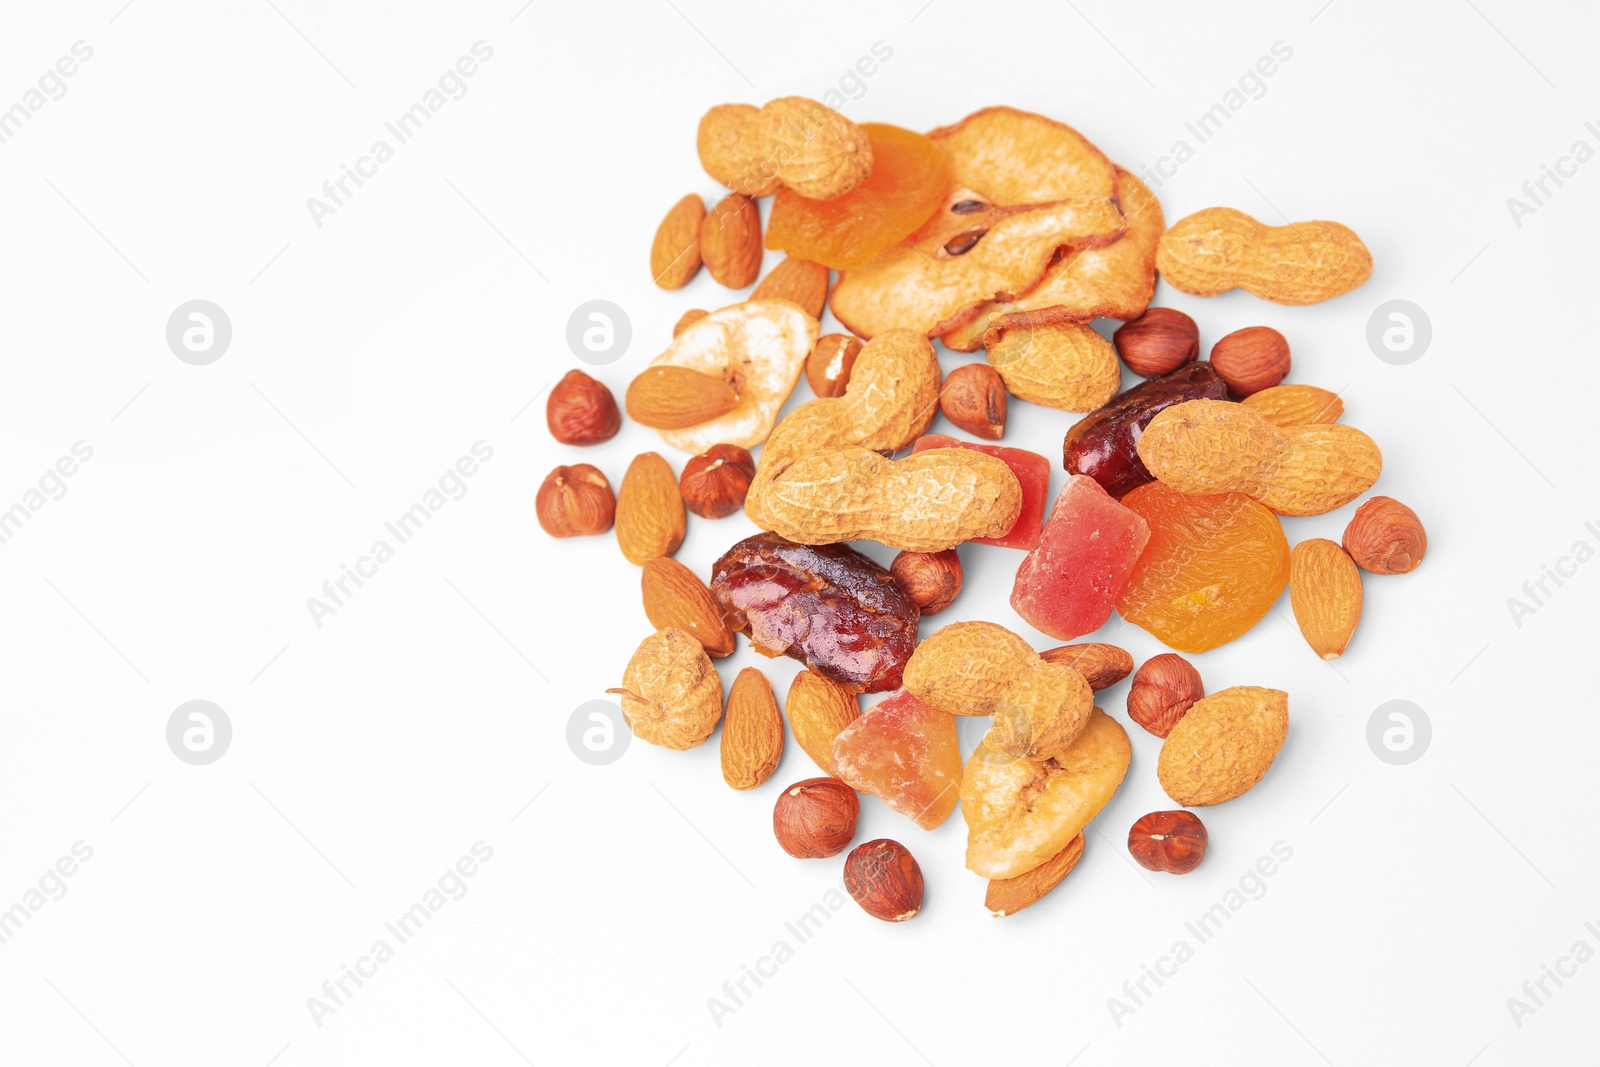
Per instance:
x=828, y=606
x=1104, y=443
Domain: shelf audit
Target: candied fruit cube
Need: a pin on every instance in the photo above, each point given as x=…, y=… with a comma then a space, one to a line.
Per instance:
x=1067, y=586
x=906, y=753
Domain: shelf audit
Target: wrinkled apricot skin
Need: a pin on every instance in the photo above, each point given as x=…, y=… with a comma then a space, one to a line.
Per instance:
x=828, y=606
x=1104, y=444
x=1211, y=570
x=909, y=179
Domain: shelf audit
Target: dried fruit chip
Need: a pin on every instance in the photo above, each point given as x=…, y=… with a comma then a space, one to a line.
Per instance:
x=1213, y=567
x=1022, y=812
x=906, y=753
x=909, y=179
x=1013, y=157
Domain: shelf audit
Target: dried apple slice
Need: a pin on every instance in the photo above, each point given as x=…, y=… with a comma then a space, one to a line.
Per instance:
x=965, y=256
x=1115, y=281
x=1022, y=812
x=1014, y=157
x=759, y=347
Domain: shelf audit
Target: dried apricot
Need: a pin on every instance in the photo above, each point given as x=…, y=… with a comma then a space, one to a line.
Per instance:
x=909, y=179
x=1212, y=568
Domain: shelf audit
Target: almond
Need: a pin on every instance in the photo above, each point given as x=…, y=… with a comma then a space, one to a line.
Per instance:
x=675, y=253
x=818, y=708
x=688, y=319
x=733, y=152
x=1296, y=405
x=666, y=397
x=829, y=365
x=1325, y=592
x=730, y=241
x=820, y=154
x=650, y=519
x=1007, y=896
x=752, y=731
x=800, y=280
x=1101, y=665
x=675, y=596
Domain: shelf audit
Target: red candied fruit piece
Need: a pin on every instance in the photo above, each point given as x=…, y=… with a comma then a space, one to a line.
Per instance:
x=906, y=753
x=1031, y=469
x=1067, y=586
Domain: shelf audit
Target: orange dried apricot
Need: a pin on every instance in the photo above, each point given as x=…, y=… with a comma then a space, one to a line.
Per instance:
x=909, y=179
x=1212, y=568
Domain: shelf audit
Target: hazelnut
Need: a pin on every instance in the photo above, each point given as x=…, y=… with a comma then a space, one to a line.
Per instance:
x=1385, y=537
x=688, y=319
x=885, y=880
x=575, y=501
x=932, y=579
x=1170, y=841
x=830, y=362
x=1157, y=342
x=1251, y=359
x=1163, y=689
x=974, y=398
x=714, y=483
x=582, y=411
x=815, y=818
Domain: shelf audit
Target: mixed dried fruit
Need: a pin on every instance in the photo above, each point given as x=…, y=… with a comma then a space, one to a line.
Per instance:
x=1011, y=233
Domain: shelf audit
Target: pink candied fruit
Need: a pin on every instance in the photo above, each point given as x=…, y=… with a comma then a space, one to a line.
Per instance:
x=1067, y=586
x=906, y=753
x=1031, y=469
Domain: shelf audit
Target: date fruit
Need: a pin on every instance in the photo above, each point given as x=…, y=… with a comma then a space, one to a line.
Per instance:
x=828, y=606
x=1104, y=443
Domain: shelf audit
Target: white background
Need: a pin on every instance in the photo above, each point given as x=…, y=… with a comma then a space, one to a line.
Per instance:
x=430, y=311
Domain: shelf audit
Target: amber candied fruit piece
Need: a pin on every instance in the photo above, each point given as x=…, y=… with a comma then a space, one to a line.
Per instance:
x=1212, y=568
x=907, y=753
x=828, y=606
x=909, y=179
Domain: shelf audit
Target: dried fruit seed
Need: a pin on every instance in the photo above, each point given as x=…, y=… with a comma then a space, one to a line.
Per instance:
x=1007, y=896
x=1101, y=665
x=675, y=252
x=932, y=579
x=799, y=280
x=1157, y=342
x=1385, y=537
x=666, y=397
x=1165, y=687
x=675, y=596
x=752, y=731
x=1251, y=359
x=818, y=708
x=730, y=241
x=974, y=398
x=829, y=364
x=1325, y=592
x=581, y=411
x=575, y=501
x=815, y=818
x=714, y=483
x=884, y=878
x=650, y=519
x=1173, y=842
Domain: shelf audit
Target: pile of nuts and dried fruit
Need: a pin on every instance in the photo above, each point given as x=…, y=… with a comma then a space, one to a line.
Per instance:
x=1008, y=233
